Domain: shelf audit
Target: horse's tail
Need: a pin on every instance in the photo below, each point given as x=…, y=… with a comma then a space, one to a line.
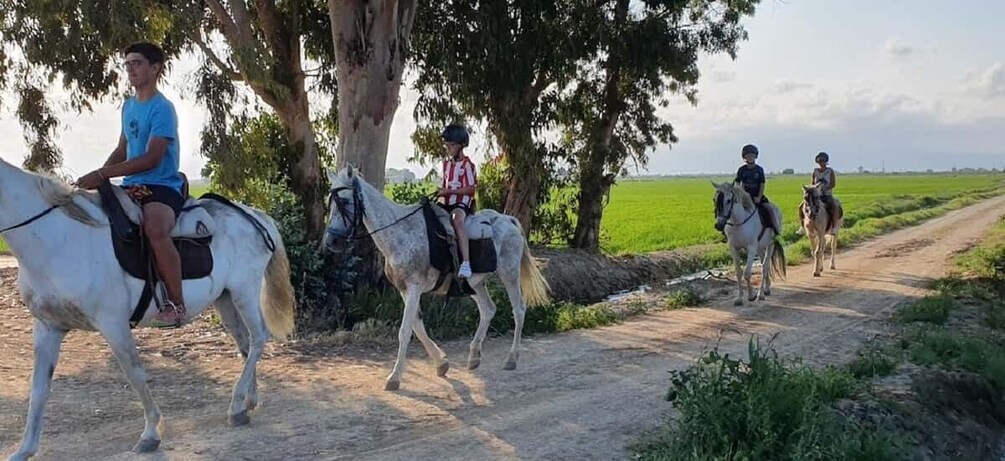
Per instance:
x=778, y=261
x=277, y=299
x=533, y=286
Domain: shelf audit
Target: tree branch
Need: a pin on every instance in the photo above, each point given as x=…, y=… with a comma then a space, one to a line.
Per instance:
x=227, y=70
x=227, y=23
x=242, y=22
x=540, y=84
x=271, y=26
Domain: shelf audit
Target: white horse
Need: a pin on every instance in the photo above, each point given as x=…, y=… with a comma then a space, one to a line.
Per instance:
x=400, y=234
x=743, y=229
x=817, y=226
x=69, y=279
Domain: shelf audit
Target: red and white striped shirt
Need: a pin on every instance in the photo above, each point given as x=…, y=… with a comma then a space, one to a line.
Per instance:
x=458, y=174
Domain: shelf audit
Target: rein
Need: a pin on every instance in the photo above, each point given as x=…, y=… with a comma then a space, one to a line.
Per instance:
x=30, y=220
x=359, y=211
x=730, y=213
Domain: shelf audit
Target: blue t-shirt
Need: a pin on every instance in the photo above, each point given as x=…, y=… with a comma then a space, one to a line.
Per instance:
x=143, y=120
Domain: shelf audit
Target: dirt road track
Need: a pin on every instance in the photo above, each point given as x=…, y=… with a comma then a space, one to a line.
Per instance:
x=578, y=395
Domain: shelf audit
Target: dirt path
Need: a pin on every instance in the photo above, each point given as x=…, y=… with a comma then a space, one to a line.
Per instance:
x=578, y=395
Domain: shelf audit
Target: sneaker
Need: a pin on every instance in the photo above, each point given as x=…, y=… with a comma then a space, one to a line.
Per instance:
x=171, y=317
x=465, y=270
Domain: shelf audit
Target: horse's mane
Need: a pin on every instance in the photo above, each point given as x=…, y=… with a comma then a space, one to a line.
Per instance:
x=58, y=193
x=745, y=200
x=811, y=193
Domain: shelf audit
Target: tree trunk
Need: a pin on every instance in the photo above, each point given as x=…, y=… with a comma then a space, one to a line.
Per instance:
x=305, y=173
x=526, y=163
x=522, y=189
x=594, y=184
x=594, y=187
x=370, y=40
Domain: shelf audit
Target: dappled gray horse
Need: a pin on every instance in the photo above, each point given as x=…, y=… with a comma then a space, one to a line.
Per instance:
x=818, y=227
x=400, y=234
x=743, y=229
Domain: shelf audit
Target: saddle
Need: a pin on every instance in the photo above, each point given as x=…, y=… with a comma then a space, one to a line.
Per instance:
x=444, y=255
x=192, y=235
x=767, y=221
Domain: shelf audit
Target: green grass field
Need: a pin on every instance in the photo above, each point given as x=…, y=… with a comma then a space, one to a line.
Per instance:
x=665, y=214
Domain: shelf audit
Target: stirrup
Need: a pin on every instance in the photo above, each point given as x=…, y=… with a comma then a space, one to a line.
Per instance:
x=169, y=308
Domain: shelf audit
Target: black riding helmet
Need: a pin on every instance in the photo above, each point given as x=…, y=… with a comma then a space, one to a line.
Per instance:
x=749, y=149
x=824, y=156
x=455, y=133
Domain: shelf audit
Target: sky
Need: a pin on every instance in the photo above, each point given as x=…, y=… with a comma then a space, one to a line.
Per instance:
x=879, y=84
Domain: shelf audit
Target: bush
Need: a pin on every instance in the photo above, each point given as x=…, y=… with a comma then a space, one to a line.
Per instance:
x=764, y=408
x=315, y=277
x=407, y=193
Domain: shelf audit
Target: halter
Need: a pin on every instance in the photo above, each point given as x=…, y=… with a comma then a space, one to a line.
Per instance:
x=30, y=220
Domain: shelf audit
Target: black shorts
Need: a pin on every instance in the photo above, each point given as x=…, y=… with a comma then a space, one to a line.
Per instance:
x=450, y=208
x=160, y=194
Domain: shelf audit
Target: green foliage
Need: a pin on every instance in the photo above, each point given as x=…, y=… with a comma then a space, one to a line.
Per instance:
x=492, y=184
x=407, y=193
x=683, y=297
x=874, y=362
x=931, y=309
x=981, y=354
x=762, y=408
x=555, y=216
x=316, y=278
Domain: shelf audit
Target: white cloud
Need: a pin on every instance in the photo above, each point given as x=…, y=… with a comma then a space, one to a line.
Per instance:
x=897, y=49
x=723, y=76
x=987, y=84
x=784, y=87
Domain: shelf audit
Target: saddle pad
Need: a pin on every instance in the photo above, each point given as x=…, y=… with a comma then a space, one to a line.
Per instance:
x=135, y=258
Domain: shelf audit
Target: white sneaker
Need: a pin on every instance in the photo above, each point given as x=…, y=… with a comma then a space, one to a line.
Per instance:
x=465, y=270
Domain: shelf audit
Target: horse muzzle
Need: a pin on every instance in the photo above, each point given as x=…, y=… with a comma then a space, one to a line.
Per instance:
x=720, y=224
x=330, y=241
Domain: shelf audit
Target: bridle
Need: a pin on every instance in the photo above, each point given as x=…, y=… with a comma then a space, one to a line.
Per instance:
x=354, y=220
x=719, y=196
x=812, y=203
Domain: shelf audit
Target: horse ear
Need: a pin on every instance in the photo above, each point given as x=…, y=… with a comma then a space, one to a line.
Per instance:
x=332, y=176
x=805, y=188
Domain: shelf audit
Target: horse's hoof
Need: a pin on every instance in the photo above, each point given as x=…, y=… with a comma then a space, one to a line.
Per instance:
x=760, y=298
x=392, y=385
x=510, y=365
x=474, y=363
x=767, y=292
x=832, y=267
x=240, y=419
x=738, y=302
x=816, y=274
x=442, y=370
x=147, y=446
